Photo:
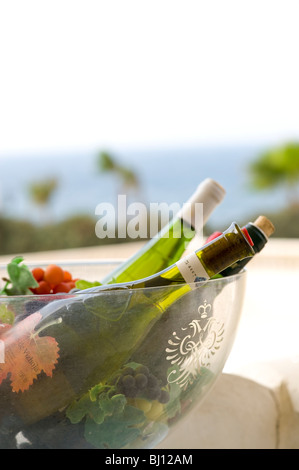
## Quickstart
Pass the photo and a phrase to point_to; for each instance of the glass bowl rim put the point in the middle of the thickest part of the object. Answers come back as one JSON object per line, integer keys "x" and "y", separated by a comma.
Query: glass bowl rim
{"x": 107, "y": 261}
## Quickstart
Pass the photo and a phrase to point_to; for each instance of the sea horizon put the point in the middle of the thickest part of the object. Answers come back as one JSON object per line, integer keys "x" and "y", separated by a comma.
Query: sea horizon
{"x": 164, "y": 175}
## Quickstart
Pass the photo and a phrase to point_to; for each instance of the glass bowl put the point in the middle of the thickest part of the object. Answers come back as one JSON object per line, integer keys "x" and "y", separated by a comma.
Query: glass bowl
{"x": 110, "y": 370}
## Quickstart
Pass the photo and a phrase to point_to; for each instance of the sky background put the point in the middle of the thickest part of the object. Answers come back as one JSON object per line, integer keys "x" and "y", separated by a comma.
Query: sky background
{"x": 132, "y": 73}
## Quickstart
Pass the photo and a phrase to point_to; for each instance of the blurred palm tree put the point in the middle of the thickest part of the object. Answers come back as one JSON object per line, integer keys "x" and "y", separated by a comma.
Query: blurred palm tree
{"x": 127, "y": 177}
{"x": 41, "y": 193}
{"x": 128, "y": 182}
{"x": 278, "y": 167}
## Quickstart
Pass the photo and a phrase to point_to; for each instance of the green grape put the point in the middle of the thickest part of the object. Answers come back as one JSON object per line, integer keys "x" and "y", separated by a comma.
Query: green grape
{"x": 155, "y": 412}
{"x": 142, "y": 404}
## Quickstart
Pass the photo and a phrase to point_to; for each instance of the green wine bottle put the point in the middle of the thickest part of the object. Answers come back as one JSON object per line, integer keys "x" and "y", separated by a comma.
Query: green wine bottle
{"x": 259, "y": 231}
{"x": 152, "y": 350}
{"x": 58, "y": 353}
{"x": 170, "y": 243}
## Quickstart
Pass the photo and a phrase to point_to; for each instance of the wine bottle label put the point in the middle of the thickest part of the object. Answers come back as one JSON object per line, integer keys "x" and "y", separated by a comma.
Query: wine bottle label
{"x": 191, "y": 269}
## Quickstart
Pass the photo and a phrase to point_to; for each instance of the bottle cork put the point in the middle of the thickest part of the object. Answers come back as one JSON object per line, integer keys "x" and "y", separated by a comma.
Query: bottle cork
{"x": 264, "y": 224}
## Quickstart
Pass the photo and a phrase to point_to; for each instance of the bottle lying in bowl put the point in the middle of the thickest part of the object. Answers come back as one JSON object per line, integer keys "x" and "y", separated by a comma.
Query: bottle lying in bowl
{"x": 58, "y": 353}
{"x": 181, "y": 317}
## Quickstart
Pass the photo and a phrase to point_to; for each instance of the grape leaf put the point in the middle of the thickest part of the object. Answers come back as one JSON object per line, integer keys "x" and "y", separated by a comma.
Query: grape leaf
{"x": 97, "y": 404}
{"x": 79, "y": 409}
{"x": 109, "y": 420}
{"x": 117, "y": 430}
{"x": 26, "y": 353}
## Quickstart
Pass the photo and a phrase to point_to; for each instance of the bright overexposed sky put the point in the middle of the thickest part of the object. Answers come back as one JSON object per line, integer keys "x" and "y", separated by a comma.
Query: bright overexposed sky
{"x": 90, "y": 73}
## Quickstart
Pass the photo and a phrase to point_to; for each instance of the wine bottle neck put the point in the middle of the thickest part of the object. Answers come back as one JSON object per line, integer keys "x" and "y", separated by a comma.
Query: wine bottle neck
{"x": 215, "y": 256}
{"x": 202, "y": 203}
{"x": 258, "y": 237}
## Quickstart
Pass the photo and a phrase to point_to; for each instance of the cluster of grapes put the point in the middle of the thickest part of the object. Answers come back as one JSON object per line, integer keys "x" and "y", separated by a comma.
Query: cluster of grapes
{"x": 140, "y": 382}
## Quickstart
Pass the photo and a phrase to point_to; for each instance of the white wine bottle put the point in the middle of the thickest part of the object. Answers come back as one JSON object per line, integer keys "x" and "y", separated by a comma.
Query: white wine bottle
{"x": 259, "y": 231}
{"x": 70, "y": 345}
{"x": 152, "y": 349}
{"x": 170, "y": 243}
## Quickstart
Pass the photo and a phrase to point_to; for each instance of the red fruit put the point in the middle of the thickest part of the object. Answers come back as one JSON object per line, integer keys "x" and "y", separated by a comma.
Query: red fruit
{"x": 54, "y": 274}
{"x": 67, "y": 276}
{"x": 43, "y": 288}
{"x": 62, "y": 287}
{"x": 71, "y": 285}
{"x": 38, "y": 274}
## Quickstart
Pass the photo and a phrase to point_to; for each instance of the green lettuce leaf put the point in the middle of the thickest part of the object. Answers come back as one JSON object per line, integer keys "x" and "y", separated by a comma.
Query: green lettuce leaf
{"x": 20, "y": 279}
{"x": 83, "y": 284}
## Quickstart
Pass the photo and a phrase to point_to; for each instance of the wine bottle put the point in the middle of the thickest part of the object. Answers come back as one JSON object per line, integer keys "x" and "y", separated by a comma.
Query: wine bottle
{"x": 152, "y": 350}
{"x": 170, "y": 243}
{"x": 57, "y": 354}
{"x": 259, "y": 231}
